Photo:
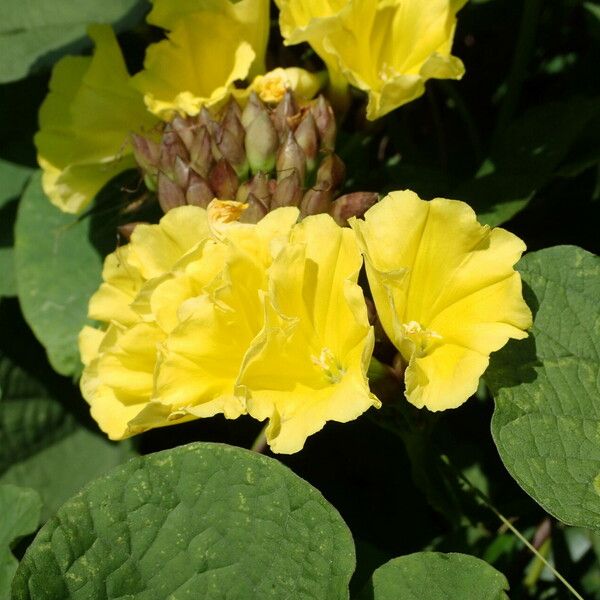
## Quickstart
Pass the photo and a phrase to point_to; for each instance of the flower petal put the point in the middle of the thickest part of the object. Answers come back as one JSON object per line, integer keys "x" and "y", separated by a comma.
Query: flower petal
{"x": 308, "y": 365}
{"x": 188, "y": 70}
{"x": 85, "y": 122}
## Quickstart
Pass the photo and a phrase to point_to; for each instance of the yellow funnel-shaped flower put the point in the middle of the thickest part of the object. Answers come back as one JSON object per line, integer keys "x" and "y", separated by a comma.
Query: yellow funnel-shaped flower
{"x": 387, "y": 48}
{"x": 211, "y": 44}
{"x": 181, "y": 304}
{"x": 308, "y": 365}
{"x": 445, "y": 290}
{"x": 85, "y": 121}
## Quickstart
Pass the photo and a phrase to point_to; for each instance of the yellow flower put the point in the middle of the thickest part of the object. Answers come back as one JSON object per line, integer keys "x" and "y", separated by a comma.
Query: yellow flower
{"x": 210, "y": 45}
{"x": 387, "y": 48}
{"x": 308, "y": 364}
{"x": 445, "y": 290}
{"x": 181, "y": 304}
{"x": 85, "y": 121}
{"x": 311, "y": 21}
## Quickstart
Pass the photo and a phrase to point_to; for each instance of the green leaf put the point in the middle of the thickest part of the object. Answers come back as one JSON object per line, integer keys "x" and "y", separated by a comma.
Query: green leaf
{"x": 42, "y": 445}
{"x": 35, "y": 33}
{"x": 546, "y": 424}
{"x": 12, "y": 181}
{"x": 436, "y": 576}
{"x": 200, "y": 521}
{"x": 58, "y": 268}
{"x": 525, "y": 158}
{"x": 20, "y": 509}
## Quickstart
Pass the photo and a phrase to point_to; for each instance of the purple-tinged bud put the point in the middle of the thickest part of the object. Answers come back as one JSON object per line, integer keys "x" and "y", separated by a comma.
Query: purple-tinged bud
{"x": 355, "y": 204}
{"x": 325, "y": 121}
{"x": 171, "y": 146}
{"x": 253, "y": 108}
{"x": 223, "y": 180}
{"x": 201, "y": 157}
{"x": 169, "y": 195}
{"x": 231, "y": 147}
{"x": 290, "y": 158}
{"x": 283, "y": 114}
{"x": 232, "y": 108}
{"x": 198, "y": 192}
{"x": 255, "y": 212}
{"x": 315, "y": 202}
{"x": 260, "y": 186}
{"x": 231, "y": 121}
{"x": 307, "y": 136}
{"x": 261, "y": 143}
{"x": 331, "y": 173}
{"x": 288, "y": 192}
{"x": 184, "y": 127}
{"x": 181, "y": 172}
{"x": 146, "y": 153}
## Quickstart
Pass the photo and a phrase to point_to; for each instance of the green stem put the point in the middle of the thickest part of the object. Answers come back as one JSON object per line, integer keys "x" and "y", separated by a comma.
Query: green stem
{"x": 518, "y": 69}
{"x": 487, "y": 502}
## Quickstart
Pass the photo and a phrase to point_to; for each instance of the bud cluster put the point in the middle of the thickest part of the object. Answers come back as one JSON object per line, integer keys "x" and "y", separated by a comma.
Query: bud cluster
{"x": 264, "y": 156}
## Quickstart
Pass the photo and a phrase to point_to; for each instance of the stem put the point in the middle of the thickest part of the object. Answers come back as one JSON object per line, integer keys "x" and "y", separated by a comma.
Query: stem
{"x": 487, "y": 502}
{"x": 518, "y": 69}
{"x": 260, "y": 443}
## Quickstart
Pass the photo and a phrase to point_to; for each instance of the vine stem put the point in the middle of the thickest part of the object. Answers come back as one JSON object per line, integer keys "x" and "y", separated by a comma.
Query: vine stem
{"x": 487, "y": 502}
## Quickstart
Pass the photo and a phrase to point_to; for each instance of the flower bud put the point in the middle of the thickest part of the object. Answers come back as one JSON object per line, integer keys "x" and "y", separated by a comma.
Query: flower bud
{"x": 231, "y": 148}
{"x": 284, "y": 113}
{"x": 261, "y": 143}
{"x": 199, "y": 193}
{"x": 307, "y": 136}
{"x": 255, "y": 212}
{"x": 231, "y": 120}
{"x": 331, "y": 173}
{"x": 184, "y": 127}
{"x": 146, "y": 153}
{"x": 223, "y": 180}
{"x": 252, "y": 109}
{"x": 169, "y": 194}
{"x": 352, "y": 205}
{"x": 200, "y": 152}
{"x": 290, "y": 158}
{"x": 288, "y": 191}
{"x": 171, "y": 146}
{"x": 260, "y": 186}
{"x": 325, "y": 121}
{"x": 316, "y": 201}
{"x": 181, "y": 172}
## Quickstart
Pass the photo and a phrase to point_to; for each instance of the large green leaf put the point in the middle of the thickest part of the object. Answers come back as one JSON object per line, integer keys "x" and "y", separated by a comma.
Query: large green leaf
{"x": 201, "y": 521}
{"x": 525, "y": 158}
{"x": 20, "y": 509}
{"x": 547, "y": 388}
{"x": 42, "y": 445}
{"x": 58, "y": 268}
{"x": 436, "y": 576}
{"x": 34, "y": 33}
{"x": 12, "y": 181}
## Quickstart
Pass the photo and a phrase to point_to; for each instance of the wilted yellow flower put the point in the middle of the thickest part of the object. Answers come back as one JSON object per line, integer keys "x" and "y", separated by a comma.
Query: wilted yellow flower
{"x": 388, "y": 48}
{"x": 309, "y": 363}
{"x": 210, "y": 45}
{"x": 445, "y": 290}
{"x": 271, "y": 86}
{"x": 85, "y": 121}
